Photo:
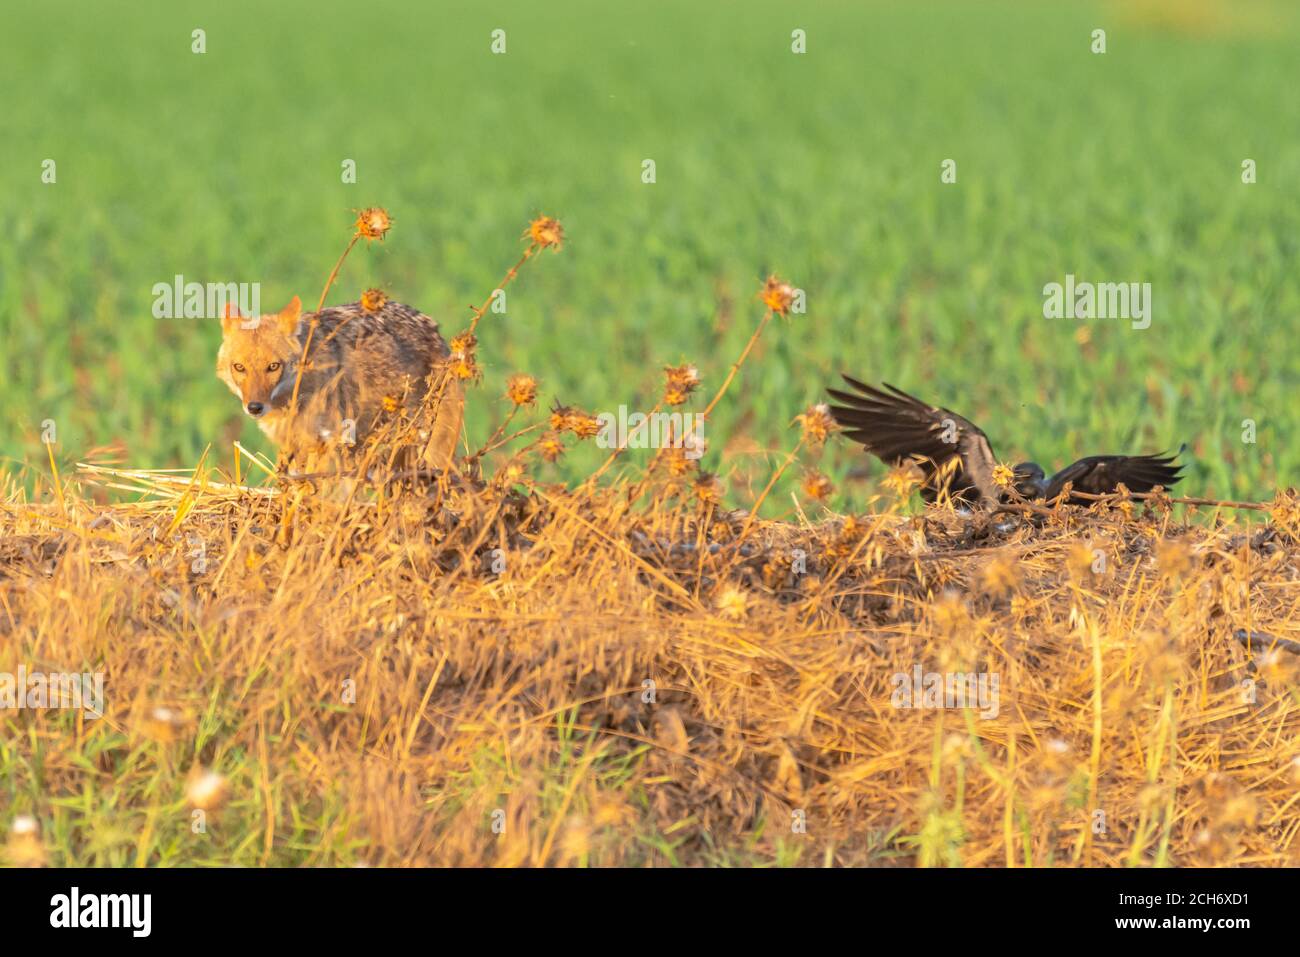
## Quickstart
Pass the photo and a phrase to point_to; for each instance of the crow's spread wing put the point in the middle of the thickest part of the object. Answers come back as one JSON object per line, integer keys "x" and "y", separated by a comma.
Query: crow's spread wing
{"x": 1102, "y": 474}
{"x": 898, "y": 428}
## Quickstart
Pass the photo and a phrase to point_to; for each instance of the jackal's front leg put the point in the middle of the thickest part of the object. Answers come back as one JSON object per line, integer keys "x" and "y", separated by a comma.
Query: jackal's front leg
{"x": 444, "y": 435}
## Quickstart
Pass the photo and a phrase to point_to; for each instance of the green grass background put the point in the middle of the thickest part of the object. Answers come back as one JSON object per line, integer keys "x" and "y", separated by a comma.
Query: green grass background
{"x": 823, "y": 167}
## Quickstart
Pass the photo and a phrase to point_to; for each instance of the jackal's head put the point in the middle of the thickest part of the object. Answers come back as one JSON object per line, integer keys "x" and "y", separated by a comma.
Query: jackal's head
{"x": 258, "y": 357}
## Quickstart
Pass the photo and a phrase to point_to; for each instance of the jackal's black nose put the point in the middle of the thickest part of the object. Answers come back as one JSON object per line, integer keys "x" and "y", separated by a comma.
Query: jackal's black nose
{"x": 256, "y": 408}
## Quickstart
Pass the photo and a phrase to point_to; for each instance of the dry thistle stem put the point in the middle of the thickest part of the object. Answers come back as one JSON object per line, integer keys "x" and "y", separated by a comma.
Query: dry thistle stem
{"x": 542, "y": 233}
{"x": 772, "y": 293}
{"x": 372, "y": 223}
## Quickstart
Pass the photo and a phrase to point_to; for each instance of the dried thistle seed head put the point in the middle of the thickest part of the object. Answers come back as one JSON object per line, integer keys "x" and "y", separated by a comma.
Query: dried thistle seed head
{"x": 463, "y": 367}
{"x": 680, "y": 382}
{"x": 1001, "y": 575}
{"x": 583, "y": 424}
{"x": 1158, "y": 500}
{"x": 1004, "y": 476}
{"x": 1174, "y": 558}
{"x": 544, "y": 232}
{"x": 205, "y": 789}
{"x": 777, "y": 295}
{"x": 686, "y": 376}
{"x": 549, "y": 447}
{"x": 1084, "y": 563}
{"x": 816, "y": 486}
{"x": 1226, "y": 802}
{"x": 461, "y": 362}
{"x": 372, "y": 300}
{"x": 775, "y": 572}
{"x": 521, "y": 389}
{"x": 566, "y": 418}
{"x": 413, "y": 512}
{"x": 513, "y": 472}
{"x": 162, "y": 724}
{"x": 559, "y": 416}
{"x": 24, "y": 847}
{"x": 721, "y": 532}
{"x": 1125, "y": 505}
{"x": 1285, "y": 511}
{"x": 575, "y": 840}
{"x": 1162, "y": 660}
{"x": 902, "y": 480}
{"x": 373, "y": 222}
{"x": 677, "y": 461}
{"x": 950, "y": 617}
{"x": 851, "y": 533}
{"x": 707, "y": 488}
{"x": 731, "y": 603}
{"x": 817, "y": 423}
{"x": 610, "y": 810}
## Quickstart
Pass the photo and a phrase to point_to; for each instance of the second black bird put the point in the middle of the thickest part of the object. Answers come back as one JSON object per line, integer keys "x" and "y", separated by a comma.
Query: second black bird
{"x": 899, "y": 429}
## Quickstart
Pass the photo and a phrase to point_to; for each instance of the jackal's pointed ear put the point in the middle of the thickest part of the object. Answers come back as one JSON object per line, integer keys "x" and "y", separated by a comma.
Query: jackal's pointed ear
{"x": 289, "y": 316}
{"x": 230, "y": 320}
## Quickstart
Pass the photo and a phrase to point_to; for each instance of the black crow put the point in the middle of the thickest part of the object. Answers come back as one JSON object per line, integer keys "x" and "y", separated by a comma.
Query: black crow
{"x": 954, "y": 453}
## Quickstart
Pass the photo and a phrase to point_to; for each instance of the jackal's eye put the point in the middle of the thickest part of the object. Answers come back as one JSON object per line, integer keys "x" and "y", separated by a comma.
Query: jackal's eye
{"x": 272, "y": 367}
{"x": 237, "y": 367}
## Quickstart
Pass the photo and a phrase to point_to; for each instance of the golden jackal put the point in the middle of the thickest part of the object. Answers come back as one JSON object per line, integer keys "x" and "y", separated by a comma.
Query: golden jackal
{"x": 361, "y": 364}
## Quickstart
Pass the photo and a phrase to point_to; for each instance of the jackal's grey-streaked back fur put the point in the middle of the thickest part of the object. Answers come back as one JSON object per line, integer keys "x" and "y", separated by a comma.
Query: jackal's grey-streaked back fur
{"x": 358, "y": 362}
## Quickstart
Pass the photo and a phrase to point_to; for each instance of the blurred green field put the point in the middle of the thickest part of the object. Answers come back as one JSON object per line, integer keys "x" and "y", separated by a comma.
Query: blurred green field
{"x": 823, "y": 167}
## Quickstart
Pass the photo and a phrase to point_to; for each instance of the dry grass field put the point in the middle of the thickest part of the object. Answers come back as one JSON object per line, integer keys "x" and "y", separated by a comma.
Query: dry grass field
{"x": 494, "y": 670}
